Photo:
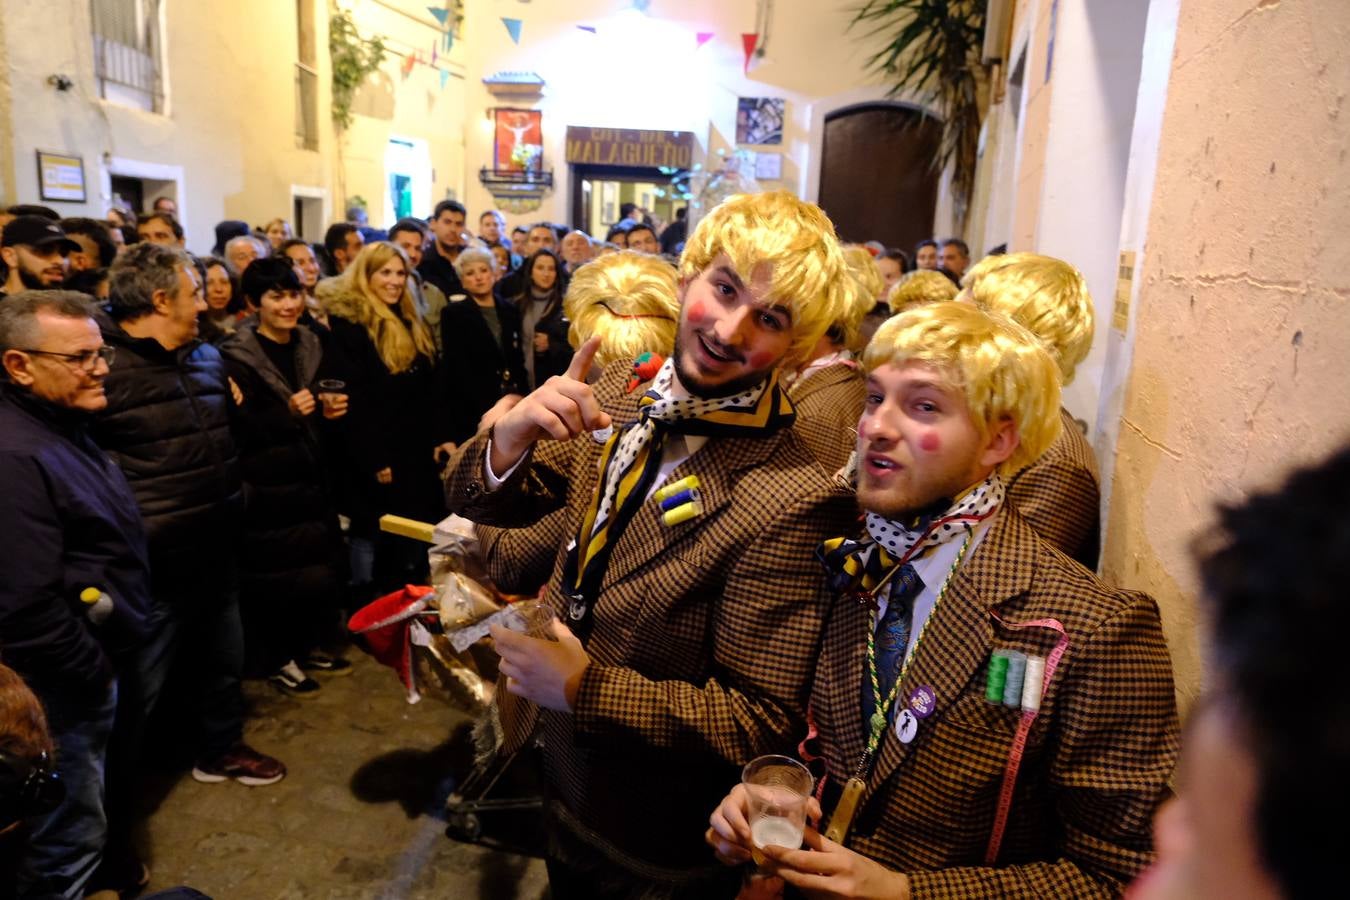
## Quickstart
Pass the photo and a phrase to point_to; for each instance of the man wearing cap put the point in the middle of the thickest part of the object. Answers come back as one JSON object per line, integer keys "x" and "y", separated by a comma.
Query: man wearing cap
{"x": 694, "y": 504}
{"x": 36, "y": 253}
{"x": 990, "y": 719}
{"x": 73, "y": 534}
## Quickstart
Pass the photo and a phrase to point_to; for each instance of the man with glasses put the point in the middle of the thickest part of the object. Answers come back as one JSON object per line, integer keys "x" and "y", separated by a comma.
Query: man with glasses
{"x": 36, "y": 253}
{"x": 74, "y": 535}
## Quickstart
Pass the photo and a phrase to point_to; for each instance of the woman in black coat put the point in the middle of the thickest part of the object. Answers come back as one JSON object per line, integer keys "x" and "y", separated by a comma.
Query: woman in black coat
{"x": 394, "y": 431}
{"x": 543, "y": 325}
{"x": 291, "y": 566}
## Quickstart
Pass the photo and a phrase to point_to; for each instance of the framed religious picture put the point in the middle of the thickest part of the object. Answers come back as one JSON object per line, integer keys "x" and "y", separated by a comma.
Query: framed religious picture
{"x": 519, "y": 144}
{"x": 60, "y": 176}
{"x": 759, "y": 120}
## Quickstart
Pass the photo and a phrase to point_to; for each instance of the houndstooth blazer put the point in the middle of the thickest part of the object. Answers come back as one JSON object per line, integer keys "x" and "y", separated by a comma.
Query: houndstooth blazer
{"x": 829, "y": 403}
{"x": 705, "y": 634}
{"x": 1059, "y": 495}
{"x": 1097, "y": 760}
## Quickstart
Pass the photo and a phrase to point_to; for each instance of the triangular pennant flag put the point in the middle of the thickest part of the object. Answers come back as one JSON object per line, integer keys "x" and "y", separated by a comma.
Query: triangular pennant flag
{"x": 440, "y": 14}
{"x": 749, "y": 41}
{"x": 513, "y": 29}
{"x": 703, "y": 38}
{"x": 408, "y": 62}
{"x": 434, "y": 55}
{"x": 445, "y": 76}
{"x": 641, "y": 5}
{"x": 590, "y": 28}
{"x": 449, "y": 40}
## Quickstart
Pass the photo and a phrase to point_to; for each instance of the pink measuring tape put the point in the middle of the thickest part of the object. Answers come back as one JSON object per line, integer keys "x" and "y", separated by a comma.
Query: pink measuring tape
{"x": 1019, "y": 743}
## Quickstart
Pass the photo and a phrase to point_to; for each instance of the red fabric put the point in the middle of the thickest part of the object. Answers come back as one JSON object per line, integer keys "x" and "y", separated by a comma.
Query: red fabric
{"x": 386, "y": 625}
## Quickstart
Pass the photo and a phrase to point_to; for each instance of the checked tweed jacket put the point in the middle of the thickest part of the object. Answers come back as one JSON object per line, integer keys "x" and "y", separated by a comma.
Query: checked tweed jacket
{"x": 1097, "y": 760}
{"x": 1059, "y": 495}
{"x": 705, "y": 634}
{"x": 829, "y": 403}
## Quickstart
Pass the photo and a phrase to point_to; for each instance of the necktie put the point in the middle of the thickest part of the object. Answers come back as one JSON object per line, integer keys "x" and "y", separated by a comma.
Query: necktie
{"x": 891, "y": 638}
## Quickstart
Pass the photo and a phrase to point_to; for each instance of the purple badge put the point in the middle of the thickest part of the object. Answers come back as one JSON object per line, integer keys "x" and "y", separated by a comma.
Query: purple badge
{"x": 923, "y": 701}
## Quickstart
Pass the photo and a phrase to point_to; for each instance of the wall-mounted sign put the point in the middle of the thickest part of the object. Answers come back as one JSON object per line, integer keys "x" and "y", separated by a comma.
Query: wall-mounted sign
{"x": 60, "y": 176}
{"x": 629, "y": 147}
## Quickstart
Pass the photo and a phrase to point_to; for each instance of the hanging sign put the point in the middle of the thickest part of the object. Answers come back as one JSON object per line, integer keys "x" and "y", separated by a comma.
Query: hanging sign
{"x": 630, "y": 147}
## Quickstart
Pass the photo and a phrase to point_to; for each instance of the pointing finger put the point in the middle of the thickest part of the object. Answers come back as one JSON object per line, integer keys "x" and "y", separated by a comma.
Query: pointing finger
{"x": 582, "y": 359}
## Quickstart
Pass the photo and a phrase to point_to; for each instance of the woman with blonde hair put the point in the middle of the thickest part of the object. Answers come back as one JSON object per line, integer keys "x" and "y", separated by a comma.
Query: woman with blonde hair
{"x": 393, "y": 431}
{"x": 278, "y": 232}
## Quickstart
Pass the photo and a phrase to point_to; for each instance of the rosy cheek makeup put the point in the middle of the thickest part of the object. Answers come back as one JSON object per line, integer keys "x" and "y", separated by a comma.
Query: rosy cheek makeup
{"x": 760, "y": 358}
{"x": 930, "y": 443}
{"x": 697, "y": 313}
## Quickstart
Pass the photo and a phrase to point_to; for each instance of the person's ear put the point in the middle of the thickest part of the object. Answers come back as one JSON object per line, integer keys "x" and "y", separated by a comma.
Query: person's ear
{"x": 10, "y": 255}
{"x": 1001, "y": 443}
{"x": 162, "y": 301}
{"x": 18, "y": 366}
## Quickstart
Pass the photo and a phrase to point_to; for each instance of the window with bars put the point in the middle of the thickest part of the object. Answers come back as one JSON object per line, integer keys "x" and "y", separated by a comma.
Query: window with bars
{"x": 129, "y": 52}
{"x": 306, "y": 78}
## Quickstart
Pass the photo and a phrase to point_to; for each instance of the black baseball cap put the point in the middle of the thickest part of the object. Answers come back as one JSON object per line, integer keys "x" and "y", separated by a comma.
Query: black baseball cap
{"x": 37, "y": 231}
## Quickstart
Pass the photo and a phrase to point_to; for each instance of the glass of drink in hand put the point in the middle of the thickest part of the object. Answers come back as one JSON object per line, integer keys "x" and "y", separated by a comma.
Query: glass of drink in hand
{"x": 776, "y": 790}
{"x": 333, "y": 396}
{"x": 531, "y": 617}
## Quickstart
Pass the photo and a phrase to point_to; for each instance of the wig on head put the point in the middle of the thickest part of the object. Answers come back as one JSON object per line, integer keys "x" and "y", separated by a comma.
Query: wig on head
{"x": 628, "y": 298}
{"x": 864, "y": 287}
{"x": 809, "y": 275}
{"x": 397, "y": 343}
{"x": 920, "y": 287}
{"x": 1047, "y": 296}
{"x": 1002, "y": 369}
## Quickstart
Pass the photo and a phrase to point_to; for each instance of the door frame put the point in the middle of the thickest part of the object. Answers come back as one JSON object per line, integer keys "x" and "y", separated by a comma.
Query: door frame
{"x": 578, "y": 172}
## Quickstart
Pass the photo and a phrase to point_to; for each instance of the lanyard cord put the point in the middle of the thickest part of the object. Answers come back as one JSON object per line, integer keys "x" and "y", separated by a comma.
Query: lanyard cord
{"x": 878, "y": 720}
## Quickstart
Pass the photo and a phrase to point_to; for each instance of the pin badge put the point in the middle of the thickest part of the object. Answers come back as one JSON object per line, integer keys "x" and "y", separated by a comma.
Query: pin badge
{"x": 923, "y": 701}
{"x": 600, "y": 435}
{"x": 906, "y": 726}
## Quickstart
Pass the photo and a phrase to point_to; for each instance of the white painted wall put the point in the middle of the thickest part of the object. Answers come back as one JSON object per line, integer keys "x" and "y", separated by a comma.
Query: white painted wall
{"x": 1098, "y": 48}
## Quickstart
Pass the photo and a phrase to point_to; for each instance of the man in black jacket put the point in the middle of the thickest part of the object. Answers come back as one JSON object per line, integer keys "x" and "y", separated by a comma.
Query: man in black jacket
{"x": 73, "y": 533}
{"x": 167, "y": 426}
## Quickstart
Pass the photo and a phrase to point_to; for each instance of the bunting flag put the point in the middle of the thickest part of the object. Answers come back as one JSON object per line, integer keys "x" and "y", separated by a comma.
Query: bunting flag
{"x": 590, "y": 28}
{"x": 408, "y": 62}
{"x": 513, "y": 29}
{"x": 441, "y": 14}
{"x": 641, "y": 5}
{"x": 449, "y": 40}
{"x": 445, "y": 76}
{"x": 434, "y": 55}
{"x": 703, "y": 38}
{"x": 749, "y": 41}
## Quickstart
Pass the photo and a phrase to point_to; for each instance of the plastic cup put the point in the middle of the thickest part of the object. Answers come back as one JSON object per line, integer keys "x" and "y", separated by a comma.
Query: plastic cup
{"x": 776, "y": 788}
{"x": 330, "y": 390}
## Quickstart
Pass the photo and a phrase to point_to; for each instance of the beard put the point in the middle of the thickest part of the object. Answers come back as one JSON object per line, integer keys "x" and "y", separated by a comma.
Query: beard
{"x": 35, "y": 282}
{"x": 691, "y": 382}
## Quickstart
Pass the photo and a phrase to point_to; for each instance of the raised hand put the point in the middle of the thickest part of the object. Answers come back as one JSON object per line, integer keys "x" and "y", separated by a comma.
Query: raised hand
{"x": 559, "y": 409}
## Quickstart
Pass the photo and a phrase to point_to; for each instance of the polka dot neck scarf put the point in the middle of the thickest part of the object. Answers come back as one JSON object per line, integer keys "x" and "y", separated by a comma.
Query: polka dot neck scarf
{"x": 864, "y": 564}
{"x": 632, "y": 457}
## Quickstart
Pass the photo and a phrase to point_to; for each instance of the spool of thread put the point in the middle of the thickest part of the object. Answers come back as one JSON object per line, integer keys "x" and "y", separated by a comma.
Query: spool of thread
{"x": 998, "y": 677}
{"x": 681, "y": 513}
{"x": 1012, "y": 689}
{"x": 689, "y": 495}
{"x": 1031, "y": 683}
{"x": 670, "y": 490}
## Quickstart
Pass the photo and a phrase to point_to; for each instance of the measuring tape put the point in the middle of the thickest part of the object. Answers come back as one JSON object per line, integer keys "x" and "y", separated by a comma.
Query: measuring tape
{"x": 1019, "y": 743}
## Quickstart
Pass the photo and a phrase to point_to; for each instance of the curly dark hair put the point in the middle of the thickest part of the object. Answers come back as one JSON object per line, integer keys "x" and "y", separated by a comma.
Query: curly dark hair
{"x": 1272, "y": 575}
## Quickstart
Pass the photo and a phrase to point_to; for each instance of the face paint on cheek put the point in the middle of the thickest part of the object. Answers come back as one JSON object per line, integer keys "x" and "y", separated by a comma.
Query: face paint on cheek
{"x": 697, "y": 313}
{"x": 760, "y": 359}
{"x": 930, "y": 442}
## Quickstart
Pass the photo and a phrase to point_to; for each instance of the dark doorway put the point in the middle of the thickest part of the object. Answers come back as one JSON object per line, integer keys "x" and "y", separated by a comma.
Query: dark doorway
{"x": 129, "y": 192}
{"x": 877, "y": 181}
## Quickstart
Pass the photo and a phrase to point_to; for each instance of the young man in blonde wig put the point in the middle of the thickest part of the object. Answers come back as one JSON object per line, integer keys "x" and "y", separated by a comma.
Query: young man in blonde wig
{"x": 685, "y": 640}
{"x": 828, "y": 390}
{"x": 1058, "y": 493}
{"x": 991, "y": 720}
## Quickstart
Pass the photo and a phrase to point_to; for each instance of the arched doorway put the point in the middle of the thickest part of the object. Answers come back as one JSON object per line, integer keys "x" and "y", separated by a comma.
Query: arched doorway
{"x": 877, "y": 180}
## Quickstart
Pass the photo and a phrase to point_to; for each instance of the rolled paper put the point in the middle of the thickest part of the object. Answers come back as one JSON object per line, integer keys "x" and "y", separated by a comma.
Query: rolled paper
{"x": 681, "y": 513}
{"x": 689, "y": 495}
{"x": 1031, "y": 683}
{"x": 998, "y": 677}
{"x": 1012, "y": 690}
{"x": 670, "y": 490}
